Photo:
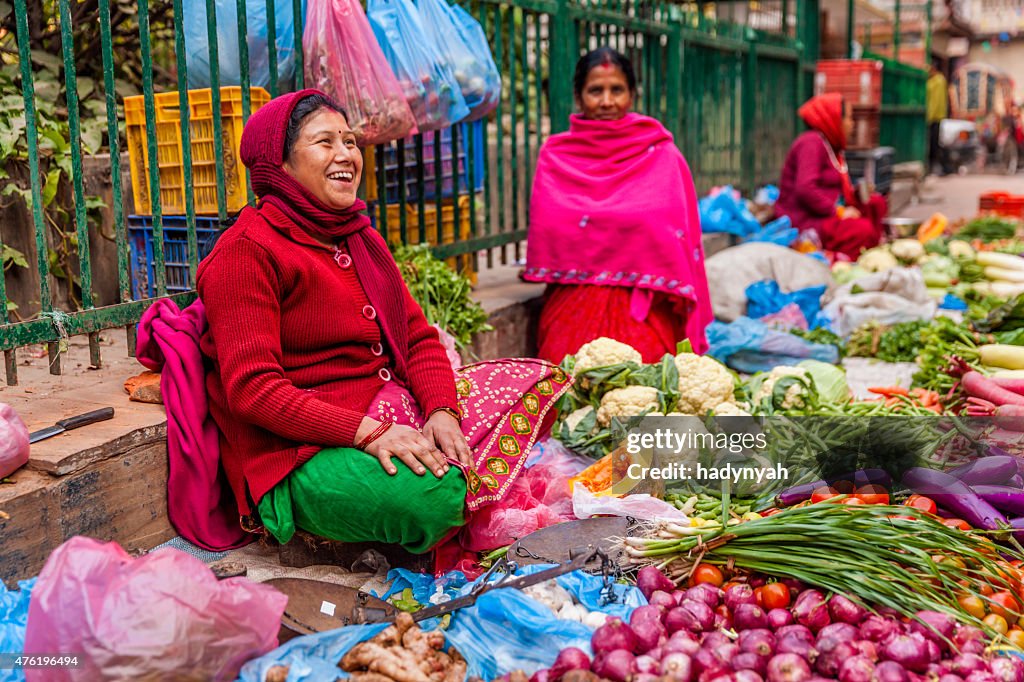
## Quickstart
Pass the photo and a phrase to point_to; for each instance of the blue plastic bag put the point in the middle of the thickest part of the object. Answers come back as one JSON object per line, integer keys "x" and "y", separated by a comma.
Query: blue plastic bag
{"x": 470, "y": 63}
{"x": 951, "y": 302}
{"x": 751, "y": 346}
{"x": 424, "y": 75}
{"x": 313, "y": 657}
{"x": 423, "y": 585}
{"x": 13, "y": 617}
{"x": 765, "y": 297}
{"x": 779, "y": 232}
{"x": 505, "y": 630}
{"x": 482, "y": 98}
{"x": 197, "y": 50}
{"x": 724, "y": 213}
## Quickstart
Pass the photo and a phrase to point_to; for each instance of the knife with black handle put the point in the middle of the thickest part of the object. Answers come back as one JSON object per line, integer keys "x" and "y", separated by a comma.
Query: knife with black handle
{"x": 72, "y": 423}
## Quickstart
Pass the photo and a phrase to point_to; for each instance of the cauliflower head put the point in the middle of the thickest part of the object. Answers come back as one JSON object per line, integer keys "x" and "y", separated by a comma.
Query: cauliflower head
{"x": 629, "y": 401}
{"x": 877, "y": 260}
{"x": 603, "y": 352}
{"x": 577, "y": 416}
{"x": 704, "y": 383}
{"x": 958, "y": 248}
{"x": 794, "y": 397}
{"x": 730, "y": 410}
{"x": 909, "y": 250}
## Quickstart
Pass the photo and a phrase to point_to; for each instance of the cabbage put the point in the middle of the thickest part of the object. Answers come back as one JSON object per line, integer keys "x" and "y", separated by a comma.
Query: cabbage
{"x": 829, "y": 381}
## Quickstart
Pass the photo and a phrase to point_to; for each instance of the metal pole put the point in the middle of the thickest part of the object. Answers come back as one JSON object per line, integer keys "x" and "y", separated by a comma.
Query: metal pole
{"x": 850, "y": 10}
{"x": 896, "y": 33}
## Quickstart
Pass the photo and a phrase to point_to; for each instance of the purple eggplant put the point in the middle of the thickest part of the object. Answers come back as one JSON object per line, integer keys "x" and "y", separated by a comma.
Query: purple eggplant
{"x": 1002, "y": 497}
{"x": 991, "y": 470}
{"x": 953, "y": 494}
{"x": 799, "y": 493}
{"x": 1015, "y": 481}
{"x": 1018, "y": 526}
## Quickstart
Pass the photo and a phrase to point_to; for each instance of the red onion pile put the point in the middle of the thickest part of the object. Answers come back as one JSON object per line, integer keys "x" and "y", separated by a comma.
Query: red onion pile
{"x": 703, "y": 634}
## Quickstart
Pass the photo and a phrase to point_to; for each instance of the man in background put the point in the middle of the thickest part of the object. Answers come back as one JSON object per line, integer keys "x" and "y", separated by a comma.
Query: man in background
{"x": 937, "y": 105}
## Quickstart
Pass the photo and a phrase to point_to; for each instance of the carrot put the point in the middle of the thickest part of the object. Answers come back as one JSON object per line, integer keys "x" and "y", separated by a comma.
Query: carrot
{"x": 892, "y": 401}
{"x": 889, "y": 391}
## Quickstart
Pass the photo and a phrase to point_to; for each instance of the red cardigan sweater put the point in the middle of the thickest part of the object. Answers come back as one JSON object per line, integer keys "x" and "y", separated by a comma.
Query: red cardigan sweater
{"x": 296, "y": 350}
{"x": 810, "y": 186}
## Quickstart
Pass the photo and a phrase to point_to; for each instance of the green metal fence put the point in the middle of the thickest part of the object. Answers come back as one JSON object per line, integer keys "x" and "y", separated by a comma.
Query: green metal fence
{"x": 902, "y": 125}
{"x": 726, "y": 85}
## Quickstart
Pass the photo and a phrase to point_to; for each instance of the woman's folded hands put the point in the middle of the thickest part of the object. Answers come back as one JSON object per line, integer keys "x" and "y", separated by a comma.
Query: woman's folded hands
{"x": 441, "y": 437}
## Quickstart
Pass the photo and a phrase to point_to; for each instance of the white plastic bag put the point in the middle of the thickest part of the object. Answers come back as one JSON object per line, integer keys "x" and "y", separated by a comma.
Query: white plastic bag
{"x": 641, "y": 507}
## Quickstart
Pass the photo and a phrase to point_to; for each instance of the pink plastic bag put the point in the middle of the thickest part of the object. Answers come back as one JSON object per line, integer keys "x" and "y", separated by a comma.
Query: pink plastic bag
{"x": 343, "y": 59}
{"x": 539, "y": 498}
{"x": 159, "y": 617}
{"x": 788, "y": 317}
{"x": 13, "y": 441}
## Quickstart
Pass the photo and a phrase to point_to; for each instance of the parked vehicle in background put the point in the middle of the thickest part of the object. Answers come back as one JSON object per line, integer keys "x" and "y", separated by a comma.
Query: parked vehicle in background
{"x": 959, "y": 146}
{"x": 983, "y": 95}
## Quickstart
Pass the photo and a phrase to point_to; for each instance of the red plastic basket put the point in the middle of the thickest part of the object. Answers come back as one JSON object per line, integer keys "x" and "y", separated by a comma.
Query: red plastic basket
{"x": 1002, "y": 203}
{"x": 859, "y": 81}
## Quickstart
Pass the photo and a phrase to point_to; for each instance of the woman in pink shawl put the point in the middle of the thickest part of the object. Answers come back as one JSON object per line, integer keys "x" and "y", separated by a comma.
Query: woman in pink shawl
{"x": 614, "y": 228}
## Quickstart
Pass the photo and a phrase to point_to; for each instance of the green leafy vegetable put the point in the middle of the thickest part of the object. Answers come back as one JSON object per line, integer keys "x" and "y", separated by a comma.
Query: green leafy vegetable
{"x": 443, "y": 293}
{"x": 829, "y": 380}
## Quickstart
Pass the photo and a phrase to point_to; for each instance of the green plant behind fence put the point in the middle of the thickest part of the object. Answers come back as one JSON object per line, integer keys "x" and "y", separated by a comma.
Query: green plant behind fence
{"x": 726, "y": 85}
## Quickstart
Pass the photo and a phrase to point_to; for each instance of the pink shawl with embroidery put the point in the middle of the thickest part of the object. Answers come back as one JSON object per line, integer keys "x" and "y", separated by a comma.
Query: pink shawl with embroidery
{"x": 614, "y": 204}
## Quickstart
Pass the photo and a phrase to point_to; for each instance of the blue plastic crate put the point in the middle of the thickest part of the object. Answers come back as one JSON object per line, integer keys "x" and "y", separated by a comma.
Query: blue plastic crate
{"x": 413, "y": 188}
{"x": 175, "y": 233}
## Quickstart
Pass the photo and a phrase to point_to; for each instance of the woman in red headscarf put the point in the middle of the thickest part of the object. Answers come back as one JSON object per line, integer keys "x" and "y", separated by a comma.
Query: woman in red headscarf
{"x": 815, "y": 189}
{"x": 339, "y": 411}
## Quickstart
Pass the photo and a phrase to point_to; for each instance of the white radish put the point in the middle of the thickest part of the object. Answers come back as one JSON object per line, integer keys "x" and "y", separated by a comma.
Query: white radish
{"x": 1000, "y": 260}
{"x": 1002, "y": 355}
{"x": 999, "y": 274}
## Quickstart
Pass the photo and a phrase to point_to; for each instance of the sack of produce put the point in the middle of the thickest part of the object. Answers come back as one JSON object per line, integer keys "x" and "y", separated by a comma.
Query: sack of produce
{"x": 342, "y": 58}
{"x": 197, "y": 46}
{"x": 13, "y": 441}
{"x": 149, "y": 618}
{"x": 467, "y": 51}
{"x": 423, "y": 73}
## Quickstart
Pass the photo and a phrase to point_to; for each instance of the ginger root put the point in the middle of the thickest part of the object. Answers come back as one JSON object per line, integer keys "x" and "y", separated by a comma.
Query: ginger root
{"x": 279, "y": 673}
{"x": 404, "y": 653}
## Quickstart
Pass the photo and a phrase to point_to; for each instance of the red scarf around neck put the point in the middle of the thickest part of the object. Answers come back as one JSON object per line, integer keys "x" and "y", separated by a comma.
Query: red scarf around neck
{"x": 263, "y": 153}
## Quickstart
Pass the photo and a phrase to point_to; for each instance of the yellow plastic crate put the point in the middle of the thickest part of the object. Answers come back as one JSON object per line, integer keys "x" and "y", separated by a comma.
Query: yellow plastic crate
{"x": 168, "y": 139}
{"x": 462, "y": 263}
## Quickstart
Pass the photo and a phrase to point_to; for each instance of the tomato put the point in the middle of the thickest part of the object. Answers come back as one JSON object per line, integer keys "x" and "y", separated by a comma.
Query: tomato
{"x": 1016, "y": 637}
{"x": 997, "y": 623}
{"x": 844, "y": 487}
{"x": 925, "y": 504}
{"x": 822, "y": 494}
{"x": 1005, "y": 604}
{"x": 872, "y": 494}
{"x": 853, "y": 501}
{"x": 773, "y": 596}
{"x": 706, "y": 573}
{"x": 956, "y": 523}
{"x": 973, "y": 605}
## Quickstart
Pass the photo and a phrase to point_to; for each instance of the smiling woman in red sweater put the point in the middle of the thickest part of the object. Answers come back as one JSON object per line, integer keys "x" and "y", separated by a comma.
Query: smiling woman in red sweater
{"x": 339, "y": 411}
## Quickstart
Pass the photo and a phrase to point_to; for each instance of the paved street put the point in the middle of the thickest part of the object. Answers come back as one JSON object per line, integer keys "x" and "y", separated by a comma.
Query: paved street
{"x": 956, "y": 196}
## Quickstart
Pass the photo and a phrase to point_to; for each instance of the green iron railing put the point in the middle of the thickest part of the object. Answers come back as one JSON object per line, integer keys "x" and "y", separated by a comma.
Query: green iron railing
{"x": 727, "y": 87}
{"x": 902, "y": 125}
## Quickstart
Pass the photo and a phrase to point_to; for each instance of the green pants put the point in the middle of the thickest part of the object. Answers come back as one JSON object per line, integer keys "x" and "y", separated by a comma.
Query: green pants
{"x": 344, "y": 494}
